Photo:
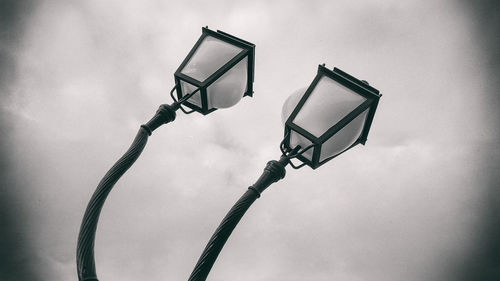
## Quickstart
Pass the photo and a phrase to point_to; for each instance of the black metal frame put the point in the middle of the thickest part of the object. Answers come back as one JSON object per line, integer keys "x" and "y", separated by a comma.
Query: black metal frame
{"x": 362, "y": 88}
{"x": 248, "y": 51}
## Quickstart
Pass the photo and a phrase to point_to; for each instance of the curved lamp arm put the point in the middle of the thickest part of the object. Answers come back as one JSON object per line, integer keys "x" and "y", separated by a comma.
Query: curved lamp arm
{"x": 85, "y": 248}
{"x": 273, "y": 172}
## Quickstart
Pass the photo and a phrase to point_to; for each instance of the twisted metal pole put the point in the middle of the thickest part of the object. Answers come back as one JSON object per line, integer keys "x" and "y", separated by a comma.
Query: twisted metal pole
{"x": 85, "y": 248}
{"x": 273, "y": 172}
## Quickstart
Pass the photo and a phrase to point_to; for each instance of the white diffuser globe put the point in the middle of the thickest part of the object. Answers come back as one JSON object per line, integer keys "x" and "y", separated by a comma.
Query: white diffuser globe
{"x": 327, "y": 104}
{"x": 210, "y": 56}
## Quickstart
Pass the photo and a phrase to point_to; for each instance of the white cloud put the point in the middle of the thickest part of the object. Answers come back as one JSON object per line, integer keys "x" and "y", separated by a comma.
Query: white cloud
{"x": 398, "y": 209}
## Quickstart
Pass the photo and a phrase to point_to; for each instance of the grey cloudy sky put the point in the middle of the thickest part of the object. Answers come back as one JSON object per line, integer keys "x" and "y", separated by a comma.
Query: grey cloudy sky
{"x": 410, "y": 205}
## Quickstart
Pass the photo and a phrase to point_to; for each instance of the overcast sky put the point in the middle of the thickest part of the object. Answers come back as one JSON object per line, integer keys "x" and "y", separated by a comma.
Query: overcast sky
{"x": 410, "y": 205}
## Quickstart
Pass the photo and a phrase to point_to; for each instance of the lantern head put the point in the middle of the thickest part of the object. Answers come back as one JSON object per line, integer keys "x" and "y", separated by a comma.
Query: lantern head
{"x": 220, "y": 67}
{"x": 329, "y": 117}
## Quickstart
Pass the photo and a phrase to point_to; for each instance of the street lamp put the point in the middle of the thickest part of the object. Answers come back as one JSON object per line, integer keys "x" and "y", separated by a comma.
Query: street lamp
{"x": 221, "y": 67}
{"x": 217, "y": 73}
{"x": 333, "y": 115}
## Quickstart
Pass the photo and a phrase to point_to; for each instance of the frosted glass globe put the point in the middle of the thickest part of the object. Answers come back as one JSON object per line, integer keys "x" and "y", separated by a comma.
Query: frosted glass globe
{"x": 290, "y": 103}
{"x": 230, "y": 87}
{"x": 328, "y": 103}
{"x": 209, "y": 57}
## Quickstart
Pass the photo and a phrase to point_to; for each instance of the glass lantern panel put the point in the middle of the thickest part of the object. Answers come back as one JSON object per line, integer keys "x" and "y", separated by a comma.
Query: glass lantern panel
{"x": 344, "y": 138}
{"x": 230, "y": 87}
{"x": 210, "y": 55}
{"x": 188, "y": 88}
{"x": 298, "y": 139}
{"x": 328, "y": 103}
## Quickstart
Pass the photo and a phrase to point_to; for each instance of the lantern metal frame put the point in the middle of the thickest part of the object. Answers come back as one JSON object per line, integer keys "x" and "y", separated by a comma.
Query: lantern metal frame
{"x": 248, "y": 50}
{"x": 360, "y": 87}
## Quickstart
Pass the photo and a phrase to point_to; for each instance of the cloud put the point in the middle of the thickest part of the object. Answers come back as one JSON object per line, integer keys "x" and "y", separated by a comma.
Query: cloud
{"x": 403, "y": 207}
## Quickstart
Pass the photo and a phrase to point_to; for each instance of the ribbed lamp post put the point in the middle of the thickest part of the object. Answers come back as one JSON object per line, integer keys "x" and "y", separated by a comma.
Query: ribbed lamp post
{"x": 217, "y": 73}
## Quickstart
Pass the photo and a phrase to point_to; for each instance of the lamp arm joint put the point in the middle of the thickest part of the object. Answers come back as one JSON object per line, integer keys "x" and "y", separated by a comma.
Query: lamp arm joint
{"x": 273, "y": 172}
{"x": 165, "y": 114}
